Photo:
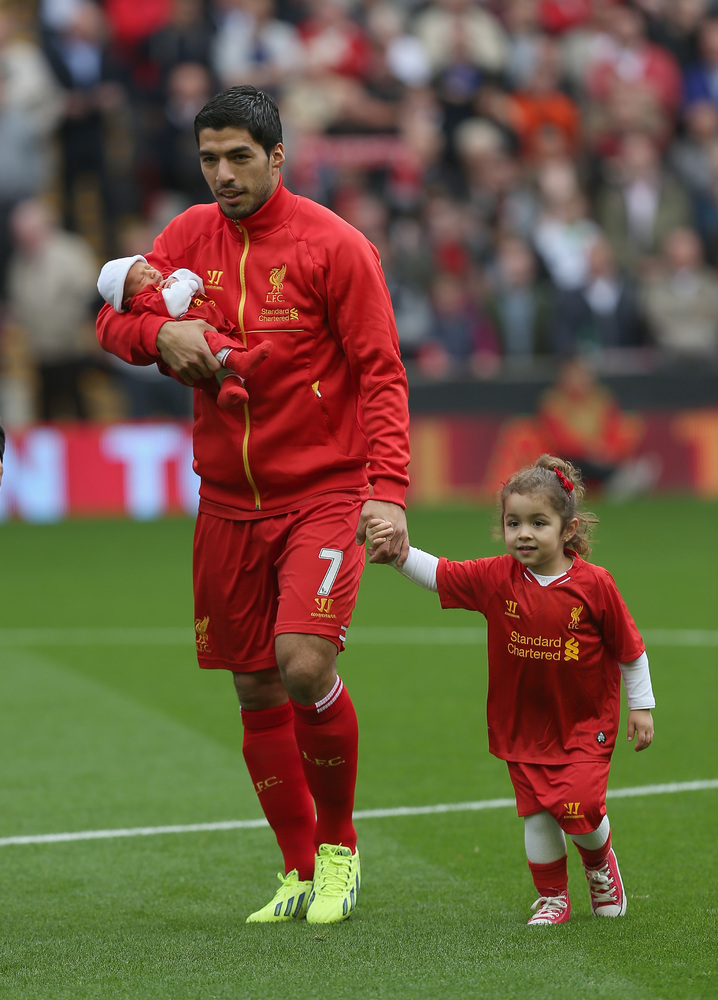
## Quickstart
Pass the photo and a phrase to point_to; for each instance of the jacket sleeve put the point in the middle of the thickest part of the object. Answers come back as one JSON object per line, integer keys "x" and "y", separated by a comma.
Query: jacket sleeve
{"x": 361, "y": 317}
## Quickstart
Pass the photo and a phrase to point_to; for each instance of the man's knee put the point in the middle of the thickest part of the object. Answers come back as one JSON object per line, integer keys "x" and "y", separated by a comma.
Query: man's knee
{"x": 307, "y": 664}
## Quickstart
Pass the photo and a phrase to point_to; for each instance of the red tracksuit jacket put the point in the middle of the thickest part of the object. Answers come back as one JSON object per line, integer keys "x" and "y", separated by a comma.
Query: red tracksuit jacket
{"x": 328, "y": 410}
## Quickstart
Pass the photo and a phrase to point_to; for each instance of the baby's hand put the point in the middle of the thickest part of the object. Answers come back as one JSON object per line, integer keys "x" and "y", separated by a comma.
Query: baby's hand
{"x": 166, "y": 282}
{"x": 378, "y": 531}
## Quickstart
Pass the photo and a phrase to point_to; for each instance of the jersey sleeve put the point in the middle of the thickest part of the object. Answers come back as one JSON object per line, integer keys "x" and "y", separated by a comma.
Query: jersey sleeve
{"x": 470, "y": 584}
{"x": 620, "y": 633}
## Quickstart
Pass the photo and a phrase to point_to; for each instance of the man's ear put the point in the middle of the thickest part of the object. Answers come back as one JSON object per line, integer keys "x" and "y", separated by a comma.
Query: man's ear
{"x": 276, "y": 157}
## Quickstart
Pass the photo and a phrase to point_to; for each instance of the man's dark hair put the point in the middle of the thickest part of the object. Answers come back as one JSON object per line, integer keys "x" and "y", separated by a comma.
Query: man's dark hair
{"x": 243, "y": 107}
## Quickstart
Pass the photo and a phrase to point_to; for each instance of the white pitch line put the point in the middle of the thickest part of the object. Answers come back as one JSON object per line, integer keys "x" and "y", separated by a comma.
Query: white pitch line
{"x": 400, "y": 811}
{"x": 360, "y": 635}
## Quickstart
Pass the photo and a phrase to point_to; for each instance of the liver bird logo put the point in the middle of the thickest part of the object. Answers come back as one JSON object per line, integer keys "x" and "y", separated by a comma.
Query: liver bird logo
{"x": 276, "y": 277}
{"x": 576, "y": 615}
{"x": 201, "y": 625}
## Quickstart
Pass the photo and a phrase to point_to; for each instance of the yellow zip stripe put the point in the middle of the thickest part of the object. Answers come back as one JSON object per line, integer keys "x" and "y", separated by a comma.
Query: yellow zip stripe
{"x": 240, "y": 324}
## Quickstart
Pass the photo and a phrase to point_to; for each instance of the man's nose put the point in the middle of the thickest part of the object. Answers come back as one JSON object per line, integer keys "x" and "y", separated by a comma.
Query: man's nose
{"x": 224, "y": 171}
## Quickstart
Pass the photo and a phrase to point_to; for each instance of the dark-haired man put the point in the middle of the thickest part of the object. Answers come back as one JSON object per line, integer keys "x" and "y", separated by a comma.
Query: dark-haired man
{"x": 288, "y": 482}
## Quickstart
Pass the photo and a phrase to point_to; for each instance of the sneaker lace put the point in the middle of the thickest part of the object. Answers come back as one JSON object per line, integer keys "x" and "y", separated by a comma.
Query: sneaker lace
{"x": 550, "y": 905}
{"x": 334, "y": 874}
{"x": 284, "y": 881}
{"x": 603, "y": 889}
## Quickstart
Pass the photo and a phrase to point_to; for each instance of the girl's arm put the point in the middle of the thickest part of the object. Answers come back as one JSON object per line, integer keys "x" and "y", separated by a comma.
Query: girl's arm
{"x": 421, "y": 568}
{"x": 639, "y": 694}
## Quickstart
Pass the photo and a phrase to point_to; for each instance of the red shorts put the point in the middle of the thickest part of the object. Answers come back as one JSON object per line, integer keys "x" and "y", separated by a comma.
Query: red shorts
{"x": 574, "y": 794}
{"x": 259, "y": 578}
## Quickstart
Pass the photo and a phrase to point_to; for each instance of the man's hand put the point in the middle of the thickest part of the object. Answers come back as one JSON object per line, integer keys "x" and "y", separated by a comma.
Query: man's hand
{"x": 183, "y": 347}
{"x": 640, "y": 725}
{"x": 398, "y": 544}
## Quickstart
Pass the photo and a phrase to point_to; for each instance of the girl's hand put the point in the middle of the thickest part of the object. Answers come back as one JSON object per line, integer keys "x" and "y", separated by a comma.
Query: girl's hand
{"x": 378, "y": 531}
{"x": 640, "y": 726}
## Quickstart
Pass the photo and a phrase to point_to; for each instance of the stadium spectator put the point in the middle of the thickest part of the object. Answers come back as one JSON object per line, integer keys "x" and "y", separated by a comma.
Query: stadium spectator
{"x": 287, "y": 520}
{"x": 638, "y": 201}
{"x": 538, "y": 111}
{"x": 29, "y": 111}
{"x": 253, "y": 45}
{"x": 187, "y": 37}
{"x": 680, "y": 300}
{"x": 52, "y": 299}
{"x": 700, "y": 81}
{"x": 580, "y": 417}
{"x": 93, "y": 93}
{"x": 539, "y": 716}
{"x": 564, "y": 231}
{"x": 676, "y": 28}
{"x": 463, "y": 340}
{"x": 630, "y": 59}
{"x": 2, "y": 449}
{"x": 519, "y": 302}
{"x": 467, "y": 49}
{"x": 169, "y": 153}
{"x": 603, "y": 315}
{"x": 693, "y": 158}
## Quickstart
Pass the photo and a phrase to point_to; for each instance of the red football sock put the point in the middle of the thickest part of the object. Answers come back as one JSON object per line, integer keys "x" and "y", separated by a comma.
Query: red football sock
{"x": 328, "y": 741}
{"x": 274, "y": 765}
{"x": 595, "y": 858}
{"x": 550, "y": 879}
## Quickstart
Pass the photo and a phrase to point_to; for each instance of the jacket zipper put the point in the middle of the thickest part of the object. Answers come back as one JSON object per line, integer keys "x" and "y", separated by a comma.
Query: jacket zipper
{"x": 240, "y": 324}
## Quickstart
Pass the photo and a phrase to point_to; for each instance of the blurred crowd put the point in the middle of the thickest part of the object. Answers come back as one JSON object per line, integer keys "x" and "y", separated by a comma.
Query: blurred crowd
{"x": 540, "y": 176}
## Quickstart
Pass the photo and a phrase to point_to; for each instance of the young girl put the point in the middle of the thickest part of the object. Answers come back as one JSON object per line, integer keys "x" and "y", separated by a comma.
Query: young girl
{"x": 559, "y": 639}
{"x": 131, "y": 283}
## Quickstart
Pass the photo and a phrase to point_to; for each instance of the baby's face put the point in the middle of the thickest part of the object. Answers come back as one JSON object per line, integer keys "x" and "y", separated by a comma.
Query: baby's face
{"x": 139, "y": 276}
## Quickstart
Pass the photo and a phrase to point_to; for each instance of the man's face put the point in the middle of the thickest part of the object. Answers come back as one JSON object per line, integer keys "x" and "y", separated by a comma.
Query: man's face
{"x": 240, "y": 174}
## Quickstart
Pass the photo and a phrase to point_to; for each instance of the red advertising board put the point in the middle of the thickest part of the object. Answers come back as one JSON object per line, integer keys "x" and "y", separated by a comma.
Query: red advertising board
{"x": 144, "y": 469}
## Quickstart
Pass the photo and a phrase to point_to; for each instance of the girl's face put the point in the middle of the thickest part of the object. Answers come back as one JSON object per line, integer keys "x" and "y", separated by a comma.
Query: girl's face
{"x": 535, "y": 535}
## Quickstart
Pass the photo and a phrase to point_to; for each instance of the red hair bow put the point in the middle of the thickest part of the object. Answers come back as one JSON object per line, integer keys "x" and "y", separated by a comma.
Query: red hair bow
{"x": 565, "y": 483}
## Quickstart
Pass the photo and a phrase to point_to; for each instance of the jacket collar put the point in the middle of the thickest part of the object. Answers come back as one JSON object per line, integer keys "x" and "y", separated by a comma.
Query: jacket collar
{"x": 272, "y": 215}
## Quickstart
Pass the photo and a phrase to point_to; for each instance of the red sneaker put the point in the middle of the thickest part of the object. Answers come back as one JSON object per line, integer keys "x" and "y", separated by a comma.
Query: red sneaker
{"x": 608, "y": 898}
{"x": 551, "y": 910}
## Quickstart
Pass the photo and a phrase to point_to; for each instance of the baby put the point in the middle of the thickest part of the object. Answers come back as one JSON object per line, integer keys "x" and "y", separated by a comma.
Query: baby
{"x": 131, "y": 283}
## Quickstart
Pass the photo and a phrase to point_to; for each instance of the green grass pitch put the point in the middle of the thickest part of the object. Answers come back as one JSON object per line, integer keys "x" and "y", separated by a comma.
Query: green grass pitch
{"x": 108, "y": 725}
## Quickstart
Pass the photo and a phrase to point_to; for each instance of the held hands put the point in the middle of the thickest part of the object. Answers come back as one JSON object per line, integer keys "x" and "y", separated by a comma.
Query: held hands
{"x": 383, "y": 526}
{"x": 640, "y": 726}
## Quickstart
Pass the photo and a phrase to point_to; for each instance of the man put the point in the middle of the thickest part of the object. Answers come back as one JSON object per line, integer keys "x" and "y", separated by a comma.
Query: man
{"x": 288, "y": 482}
{"x": 2, "y": 449}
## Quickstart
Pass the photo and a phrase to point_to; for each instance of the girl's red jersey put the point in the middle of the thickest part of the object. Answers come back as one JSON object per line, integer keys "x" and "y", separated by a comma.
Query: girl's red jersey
{"x": 553, "y": 652}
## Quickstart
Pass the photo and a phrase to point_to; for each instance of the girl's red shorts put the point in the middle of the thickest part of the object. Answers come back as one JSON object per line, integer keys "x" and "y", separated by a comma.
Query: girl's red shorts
{"x": 574, "y": 793}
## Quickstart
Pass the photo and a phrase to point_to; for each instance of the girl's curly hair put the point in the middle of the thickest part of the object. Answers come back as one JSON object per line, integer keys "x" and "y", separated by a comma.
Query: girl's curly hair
{"x": 562, "y": 484}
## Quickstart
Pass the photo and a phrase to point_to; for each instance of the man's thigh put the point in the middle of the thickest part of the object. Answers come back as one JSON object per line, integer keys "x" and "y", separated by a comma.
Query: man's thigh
{"x": 256, "y": 579}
